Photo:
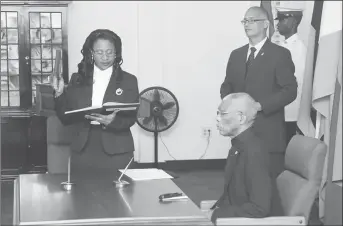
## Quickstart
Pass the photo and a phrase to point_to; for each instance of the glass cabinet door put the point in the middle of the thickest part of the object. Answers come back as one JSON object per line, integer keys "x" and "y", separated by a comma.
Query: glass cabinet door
{"x": 45, "y": 38}
{"x": 10, "y": 90}
{"x": 30, "y": 37}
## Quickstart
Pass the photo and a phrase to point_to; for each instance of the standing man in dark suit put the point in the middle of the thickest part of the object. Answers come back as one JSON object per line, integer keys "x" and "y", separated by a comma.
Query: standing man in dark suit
{"x": 248, "y": 186}
{"x": 266, "y": 72}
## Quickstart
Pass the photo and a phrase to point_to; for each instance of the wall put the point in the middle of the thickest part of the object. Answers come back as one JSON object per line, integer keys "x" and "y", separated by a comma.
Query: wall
{"x": 86, "y": 16}
{"x": 182, "y": 46}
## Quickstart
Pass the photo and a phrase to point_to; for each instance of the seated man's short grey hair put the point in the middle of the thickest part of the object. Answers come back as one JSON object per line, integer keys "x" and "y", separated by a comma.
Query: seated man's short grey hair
{"x": 244, "y": 103}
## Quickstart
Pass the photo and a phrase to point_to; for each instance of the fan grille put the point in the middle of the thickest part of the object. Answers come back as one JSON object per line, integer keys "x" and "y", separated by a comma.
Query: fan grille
{"x": 161, "y": 109}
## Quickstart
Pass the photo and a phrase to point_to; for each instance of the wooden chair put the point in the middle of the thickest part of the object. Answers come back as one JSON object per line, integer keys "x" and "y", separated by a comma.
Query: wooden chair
{"x": 298, "y": 184}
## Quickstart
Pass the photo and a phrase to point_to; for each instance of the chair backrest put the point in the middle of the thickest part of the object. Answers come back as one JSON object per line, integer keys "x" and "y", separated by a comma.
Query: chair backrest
{"x": 59, "y": 138}
{"x": 59, "y": 134}
{"x": 299, "y": 183}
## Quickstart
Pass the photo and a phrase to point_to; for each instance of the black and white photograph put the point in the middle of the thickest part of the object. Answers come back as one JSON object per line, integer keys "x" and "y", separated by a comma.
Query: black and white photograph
{"x": 171, "y": 113}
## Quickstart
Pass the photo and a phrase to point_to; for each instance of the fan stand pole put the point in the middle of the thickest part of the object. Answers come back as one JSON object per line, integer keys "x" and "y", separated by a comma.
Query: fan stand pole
{"x": 156, "y": 150}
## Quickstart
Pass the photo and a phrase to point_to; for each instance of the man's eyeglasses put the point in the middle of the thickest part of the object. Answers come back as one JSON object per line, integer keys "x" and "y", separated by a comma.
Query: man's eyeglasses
{"x": 222, "y": 113}
{"x": 251, "y": 21}
{"x": 109, "y": 53}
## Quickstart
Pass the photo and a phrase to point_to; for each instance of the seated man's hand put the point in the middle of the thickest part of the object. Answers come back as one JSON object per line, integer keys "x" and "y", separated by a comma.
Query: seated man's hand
{"x": 102, "y": 119}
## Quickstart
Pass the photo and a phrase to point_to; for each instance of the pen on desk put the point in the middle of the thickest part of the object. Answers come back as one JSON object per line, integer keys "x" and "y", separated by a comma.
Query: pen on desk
{"x": 125, "y": 169}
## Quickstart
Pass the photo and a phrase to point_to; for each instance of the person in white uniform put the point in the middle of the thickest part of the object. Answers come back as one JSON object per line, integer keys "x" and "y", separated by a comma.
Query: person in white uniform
{"x": 288, "y": 21}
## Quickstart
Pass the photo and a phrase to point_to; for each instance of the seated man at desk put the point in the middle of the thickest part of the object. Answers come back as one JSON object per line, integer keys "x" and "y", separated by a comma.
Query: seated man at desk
{"x": 248, "y": 186}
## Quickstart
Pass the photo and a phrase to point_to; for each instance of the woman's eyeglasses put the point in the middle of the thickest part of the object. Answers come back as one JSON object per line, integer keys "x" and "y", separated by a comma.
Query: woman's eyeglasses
{"x": 108, "y": 53}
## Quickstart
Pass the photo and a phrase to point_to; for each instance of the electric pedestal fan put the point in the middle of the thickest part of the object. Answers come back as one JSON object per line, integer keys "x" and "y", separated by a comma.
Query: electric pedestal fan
{"x": 158, "y": 111}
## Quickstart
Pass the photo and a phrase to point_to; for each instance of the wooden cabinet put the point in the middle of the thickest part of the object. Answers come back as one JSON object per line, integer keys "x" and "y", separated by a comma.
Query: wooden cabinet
{"x": 14, "y": 142}
{"x": 31, "y": 34}
{"x": 23, "y": 144}
{"x": 37, "y": 143}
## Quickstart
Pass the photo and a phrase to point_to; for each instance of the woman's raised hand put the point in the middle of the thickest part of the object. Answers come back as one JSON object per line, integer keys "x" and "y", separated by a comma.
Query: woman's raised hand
{"x": 58, "y": 85}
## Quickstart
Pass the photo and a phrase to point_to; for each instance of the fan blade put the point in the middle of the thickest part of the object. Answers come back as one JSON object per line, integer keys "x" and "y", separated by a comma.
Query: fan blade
{"x": 144, "y": 108}
{"x": 147, "y": 120}
{"x": 156, "y": 95}
{"x": 168, "y": 105}
{"x": 163, "y": 120}
{"x": 143, "y": 99}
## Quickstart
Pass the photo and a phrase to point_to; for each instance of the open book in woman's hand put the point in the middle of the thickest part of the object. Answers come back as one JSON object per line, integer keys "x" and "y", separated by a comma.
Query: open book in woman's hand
{"x": 106, "y": 108}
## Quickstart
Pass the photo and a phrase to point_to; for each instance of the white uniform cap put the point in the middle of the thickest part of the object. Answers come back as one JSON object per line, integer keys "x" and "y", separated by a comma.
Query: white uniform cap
{"x": 290, "y": 9}
{"x": 285, "y": 6}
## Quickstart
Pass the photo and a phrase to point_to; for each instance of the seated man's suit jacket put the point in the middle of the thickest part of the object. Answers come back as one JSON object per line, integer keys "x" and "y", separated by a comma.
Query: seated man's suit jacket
{"x": 116, "y": 137}
{"x": 270, "y": 81}
{"x": 248, "y": 185}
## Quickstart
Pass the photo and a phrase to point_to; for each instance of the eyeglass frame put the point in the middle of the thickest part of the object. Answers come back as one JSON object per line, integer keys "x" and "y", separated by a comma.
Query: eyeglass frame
{"x": 102, "y": 53}
{"x": 251, "y": 21}
{"x": 219, "y": 113}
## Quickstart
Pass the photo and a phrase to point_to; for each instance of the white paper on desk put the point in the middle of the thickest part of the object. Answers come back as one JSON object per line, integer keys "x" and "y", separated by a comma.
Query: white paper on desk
{"x": 146, "y": 174}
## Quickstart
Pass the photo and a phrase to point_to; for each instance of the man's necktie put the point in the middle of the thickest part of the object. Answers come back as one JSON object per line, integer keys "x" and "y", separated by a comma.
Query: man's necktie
{"x": 250, "y": 59}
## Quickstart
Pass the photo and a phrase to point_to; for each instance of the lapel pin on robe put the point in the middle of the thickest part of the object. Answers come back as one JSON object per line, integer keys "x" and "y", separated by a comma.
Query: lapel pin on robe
{"x": 236, "y": 153}
{"x": 119, "y": 91}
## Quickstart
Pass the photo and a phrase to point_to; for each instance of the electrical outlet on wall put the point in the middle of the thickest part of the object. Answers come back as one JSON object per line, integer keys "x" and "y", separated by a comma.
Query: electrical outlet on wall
{"x": 206, "y": 132}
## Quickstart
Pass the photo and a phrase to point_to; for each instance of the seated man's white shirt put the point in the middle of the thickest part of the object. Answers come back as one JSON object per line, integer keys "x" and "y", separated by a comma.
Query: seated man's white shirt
{"x": 100, "y": 83}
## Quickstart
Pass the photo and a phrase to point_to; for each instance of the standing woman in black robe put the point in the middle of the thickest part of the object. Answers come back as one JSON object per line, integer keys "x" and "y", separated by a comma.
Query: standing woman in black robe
{"x": 102, "y": 143}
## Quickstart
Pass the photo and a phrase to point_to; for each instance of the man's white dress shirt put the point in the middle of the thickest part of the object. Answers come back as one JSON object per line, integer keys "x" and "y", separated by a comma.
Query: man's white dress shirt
{"x": 258, "y": 47}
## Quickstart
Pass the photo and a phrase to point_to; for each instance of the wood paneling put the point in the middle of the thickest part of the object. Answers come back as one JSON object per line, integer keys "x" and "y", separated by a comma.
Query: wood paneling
{"x": 23, "y": 143}
{"x": 14, "y": 142}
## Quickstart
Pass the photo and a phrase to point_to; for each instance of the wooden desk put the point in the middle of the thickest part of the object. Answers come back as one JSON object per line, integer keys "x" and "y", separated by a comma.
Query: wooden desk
{"x": 39, "y": 200}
